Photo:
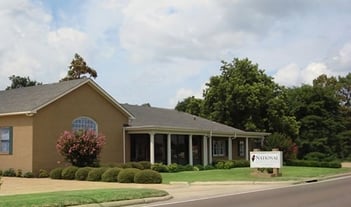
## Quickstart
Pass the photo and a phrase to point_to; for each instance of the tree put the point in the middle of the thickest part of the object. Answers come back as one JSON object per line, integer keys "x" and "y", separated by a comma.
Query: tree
{"x": 78, "y": 69}
{"x": 80, "y": 148}
{"x": 190, "y": 105}
{"x": 317, "y": 109}
{"x": 244, "y": 96}
{"x": 20, "y": 82}
{"x": 283, "y": 143}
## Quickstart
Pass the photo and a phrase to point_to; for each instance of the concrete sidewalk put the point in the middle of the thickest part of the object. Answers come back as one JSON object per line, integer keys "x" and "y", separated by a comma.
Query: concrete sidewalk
{"x": 178, "y": 191}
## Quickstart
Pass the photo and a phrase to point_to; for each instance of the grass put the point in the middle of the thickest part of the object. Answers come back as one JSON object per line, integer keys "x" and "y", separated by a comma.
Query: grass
{"x": 68, "y": 198}
{"x": 244, "y": 174}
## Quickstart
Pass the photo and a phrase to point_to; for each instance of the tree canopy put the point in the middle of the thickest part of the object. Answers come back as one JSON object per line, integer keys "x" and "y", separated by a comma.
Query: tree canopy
{"x": 19, "y": 82}
{"x": 78, "y": 69}
{"x": 316, "y": 118}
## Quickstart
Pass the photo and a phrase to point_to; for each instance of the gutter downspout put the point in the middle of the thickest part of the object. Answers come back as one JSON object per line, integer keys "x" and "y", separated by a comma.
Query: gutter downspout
{"x": 124, "y": 144}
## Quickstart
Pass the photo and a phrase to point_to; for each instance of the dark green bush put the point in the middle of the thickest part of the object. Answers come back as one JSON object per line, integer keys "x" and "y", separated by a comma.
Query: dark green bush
{"x": 126, "y": 165}
{"x": 56, "y": 173}
{"x": 96, "y": 173}
{"x": 173, "y": 168}
{"x": 185, "y": 168}
{"x": 19, "y": 173}
{"x": 159, "y": 167}
{"x": 68, "y": 173}
{"x": 146, "y": 164}
{"x": 43, "y": 173}
{"x": 241, "y": 163}
{"x": 138, "y": 165}
{"x": 111, "y": 174}
{"x": 307, "y": 163}
{"x": 229, "y": 164}
{"x": 127, "y": 175}
{"x": 28, "y": 175}
{"x": 209, "y": 167}
{"x": 219, "y": 165}
{"x": 199, "y": 167}
{"x": 9, "y": 173}
{"x": 82, "y": 173}
{"x": 148, "y": 176}
{"x": 0, "y": 172}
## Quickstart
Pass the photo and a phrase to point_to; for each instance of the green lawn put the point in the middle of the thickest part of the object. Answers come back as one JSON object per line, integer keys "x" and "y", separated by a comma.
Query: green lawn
{"x": 67, "y": 198}
{"x": 244, "y": 174}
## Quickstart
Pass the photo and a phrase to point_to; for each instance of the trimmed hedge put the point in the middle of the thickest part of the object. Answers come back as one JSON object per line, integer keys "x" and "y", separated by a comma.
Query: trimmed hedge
{"x": 159, "y": 167}
{"x": 69, "y": 173}
{"x": 148, "y": 176}
{"x": 82, "y": 173}
{"x": 127, "y": 175}
{"x": 146, "y": 164}
{"x": 96, "y": 173}
{"x": 9, "y": 173}
{"x": 111, "y": 174}
{"x": 29, "y": 175}
{"x": 56, "y": 173}
{"x": 308, "y": 163}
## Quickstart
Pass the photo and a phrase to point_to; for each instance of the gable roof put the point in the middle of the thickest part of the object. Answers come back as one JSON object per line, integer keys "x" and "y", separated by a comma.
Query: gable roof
{"x": 28, "y": 100}
{"x": 152, "y": 118}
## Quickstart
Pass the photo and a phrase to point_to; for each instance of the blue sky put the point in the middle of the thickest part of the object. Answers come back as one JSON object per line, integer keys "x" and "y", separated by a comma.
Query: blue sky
{"x": 162, "y": 51}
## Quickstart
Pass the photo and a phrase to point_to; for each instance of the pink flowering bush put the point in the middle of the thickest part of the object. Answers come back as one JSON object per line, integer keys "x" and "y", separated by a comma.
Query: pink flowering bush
{"x": 80, "y": 148}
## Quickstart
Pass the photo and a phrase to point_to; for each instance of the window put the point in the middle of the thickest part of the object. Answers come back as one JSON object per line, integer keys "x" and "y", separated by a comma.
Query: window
{"x": 241, "y": 148}
{"x": 219, "y": 148}
{"x": 84, "y": 123}
{"x": 5, "y": 140}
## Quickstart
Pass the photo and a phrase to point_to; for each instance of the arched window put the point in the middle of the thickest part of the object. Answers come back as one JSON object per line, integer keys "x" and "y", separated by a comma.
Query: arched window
{"x": 84, "y": 123}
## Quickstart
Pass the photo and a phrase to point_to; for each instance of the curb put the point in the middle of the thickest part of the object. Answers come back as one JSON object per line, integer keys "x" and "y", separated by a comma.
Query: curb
{"x": 128, "y": 202}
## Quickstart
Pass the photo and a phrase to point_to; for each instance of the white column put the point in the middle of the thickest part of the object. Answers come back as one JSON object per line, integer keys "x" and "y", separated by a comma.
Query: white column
{"x": 204, "y": 151}
{"x": 230, "y": 150}
{"x": 169, "y": 150}
{"x": 152, "y": 148}
{"x": 210, "y": 150}
{"x": 190, "y": 149}
{"x": 247, "y": 148}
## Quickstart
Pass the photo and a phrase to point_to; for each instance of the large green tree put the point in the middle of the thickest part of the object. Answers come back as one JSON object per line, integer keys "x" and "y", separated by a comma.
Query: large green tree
{"x": 244, "y": 96}
{"x": 19, "y": 82}
{"x": 317, "y": 108}
{"x": 78, "y": 69}
{"x": 190, "y": 105}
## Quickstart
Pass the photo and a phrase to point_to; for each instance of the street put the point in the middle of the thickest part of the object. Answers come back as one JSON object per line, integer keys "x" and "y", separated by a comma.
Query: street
{"x": 319, "y": 194}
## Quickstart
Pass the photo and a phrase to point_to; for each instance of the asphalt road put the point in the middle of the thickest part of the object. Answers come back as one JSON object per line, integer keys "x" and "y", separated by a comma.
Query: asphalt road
{"x": 318, "y": 194}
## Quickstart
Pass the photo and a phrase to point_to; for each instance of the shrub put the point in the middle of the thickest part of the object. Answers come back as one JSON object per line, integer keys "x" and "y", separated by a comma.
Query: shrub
{"x": 0, "y": 172}
{"x": 185, "y": 168}
{"x": 148, "y": 176}
{"x": 80, "y": 148}
{"x": 19, "y": 173}
{"x": 56, "y": 173}
{"x": 9, "y": 173}
{"x": 241, "y": 163}
{"x": 229, "y": 164}
{"x": 96, "y": 173}
{"x": 199, "y": 167}
{"x": 43, "y": 173}
{"x": 69, "y": 173}
{"x": 111, "y": 174}
{"x": 173, "y": 168}
{"x": 28, "y": 175}
{"x": 307, "y": 163}
{"x": 146, "y": 164}
{"x": 82, "y": 173}
{"x": 219, "y": 165}
{"x": 127, "y": 175}
{"x": 209, "y": 167}
{"x": 137, "y": 165}
{"x": 159, "y": 167}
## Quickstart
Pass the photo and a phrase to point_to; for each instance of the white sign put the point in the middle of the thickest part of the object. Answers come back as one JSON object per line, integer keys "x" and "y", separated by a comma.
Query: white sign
{"x": 266, "y": 159}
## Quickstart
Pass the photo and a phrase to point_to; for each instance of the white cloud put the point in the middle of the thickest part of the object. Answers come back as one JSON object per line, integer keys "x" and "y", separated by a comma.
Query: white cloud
{"x": 183, "y": 93}
{"x": 31, "y": 46}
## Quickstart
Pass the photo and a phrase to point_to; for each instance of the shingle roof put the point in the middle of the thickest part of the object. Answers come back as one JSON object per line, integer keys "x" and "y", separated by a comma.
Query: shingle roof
{"x": 146, "y": 116}
{"x": 30, "y": 99}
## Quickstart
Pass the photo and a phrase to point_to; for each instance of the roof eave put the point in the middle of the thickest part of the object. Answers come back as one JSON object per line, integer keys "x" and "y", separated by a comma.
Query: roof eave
{"x": 27, "y": 113}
